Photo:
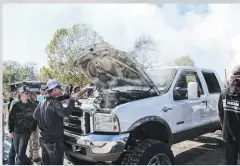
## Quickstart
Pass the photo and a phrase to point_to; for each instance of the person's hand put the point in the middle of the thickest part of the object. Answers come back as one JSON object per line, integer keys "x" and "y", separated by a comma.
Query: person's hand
{"x": 12, "y": 135}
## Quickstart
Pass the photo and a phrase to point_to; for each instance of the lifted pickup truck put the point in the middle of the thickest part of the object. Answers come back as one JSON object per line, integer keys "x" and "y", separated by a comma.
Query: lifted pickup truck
{"x": 138, "y": 114}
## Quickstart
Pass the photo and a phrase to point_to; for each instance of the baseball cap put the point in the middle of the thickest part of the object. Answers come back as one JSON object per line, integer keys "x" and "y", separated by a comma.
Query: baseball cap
{"x": 23, "y": 89}
{"x": 53, "y": 84}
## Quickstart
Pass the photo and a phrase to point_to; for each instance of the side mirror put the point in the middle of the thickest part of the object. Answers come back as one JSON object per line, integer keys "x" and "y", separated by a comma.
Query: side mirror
{"x": 193, "y": 91}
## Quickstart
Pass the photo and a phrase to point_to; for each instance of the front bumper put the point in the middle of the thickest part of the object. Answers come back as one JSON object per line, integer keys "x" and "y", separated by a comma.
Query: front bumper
{"x": 97, "y": 148}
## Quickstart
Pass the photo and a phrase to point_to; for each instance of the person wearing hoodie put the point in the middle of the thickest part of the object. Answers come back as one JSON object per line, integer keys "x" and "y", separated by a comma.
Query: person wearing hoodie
{"x": 21, "y": 124}
{"x": 229, "y": 113}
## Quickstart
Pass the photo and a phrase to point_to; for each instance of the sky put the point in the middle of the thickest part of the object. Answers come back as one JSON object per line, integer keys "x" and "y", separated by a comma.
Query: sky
{"x": 209, "y": 33}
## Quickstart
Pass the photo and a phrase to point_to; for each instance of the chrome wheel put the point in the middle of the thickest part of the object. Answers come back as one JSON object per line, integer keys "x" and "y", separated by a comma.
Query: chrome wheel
{"x": 160, "y": 159}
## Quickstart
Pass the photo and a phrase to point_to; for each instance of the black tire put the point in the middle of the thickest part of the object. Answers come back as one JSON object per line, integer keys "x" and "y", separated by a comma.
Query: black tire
{"x": 145, "y": 150}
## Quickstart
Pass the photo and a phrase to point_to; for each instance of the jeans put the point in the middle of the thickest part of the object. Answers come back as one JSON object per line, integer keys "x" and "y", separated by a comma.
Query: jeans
{"x": 20, "y": 144}
{"x": 232, "y": 152}
{"x": 52, "y": 152}
{"x": 12, "y": 154}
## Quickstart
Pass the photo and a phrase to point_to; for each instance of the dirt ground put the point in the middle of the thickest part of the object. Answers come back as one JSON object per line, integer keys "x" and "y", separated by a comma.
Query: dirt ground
{"x": 205, "y": 150}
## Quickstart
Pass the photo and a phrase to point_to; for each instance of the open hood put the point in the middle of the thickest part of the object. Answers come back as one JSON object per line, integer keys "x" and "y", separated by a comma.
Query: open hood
{"x": 109, "y": 67}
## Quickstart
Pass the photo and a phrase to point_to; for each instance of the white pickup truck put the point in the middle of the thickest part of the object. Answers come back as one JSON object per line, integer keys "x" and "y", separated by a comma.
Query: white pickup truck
{"x": 138, "y": 114}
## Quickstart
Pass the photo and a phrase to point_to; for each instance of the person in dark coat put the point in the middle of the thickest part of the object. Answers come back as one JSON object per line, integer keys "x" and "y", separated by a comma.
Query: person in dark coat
{"x": 229, "y": 113}
{"x": 49, "y": 115}
{"x": 12, "y": 153}
{"x": 21, "y": 124}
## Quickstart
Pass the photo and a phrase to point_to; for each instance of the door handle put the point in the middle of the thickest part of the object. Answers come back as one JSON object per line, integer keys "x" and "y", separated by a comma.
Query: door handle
{"x": 204, "y": 102}
{"x": 166, "y": 109}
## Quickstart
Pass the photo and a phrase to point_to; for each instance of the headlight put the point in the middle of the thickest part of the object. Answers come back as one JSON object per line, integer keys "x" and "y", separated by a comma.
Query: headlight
{"x": 105, "y": 123}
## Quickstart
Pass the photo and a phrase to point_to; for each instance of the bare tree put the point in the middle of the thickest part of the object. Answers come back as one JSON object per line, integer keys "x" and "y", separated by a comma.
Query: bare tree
{"x": 143, "y": 44}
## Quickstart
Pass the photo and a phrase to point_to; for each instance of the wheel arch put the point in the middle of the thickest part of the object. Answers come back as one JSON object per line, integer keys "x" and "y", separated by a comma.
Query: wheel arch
{"x": 149, "y": 125}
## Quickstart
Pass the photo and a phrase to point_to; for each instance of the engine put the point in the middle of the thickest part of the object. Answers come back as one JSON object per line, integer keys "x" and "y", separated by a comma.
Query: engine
{"x": 110, "y": 100}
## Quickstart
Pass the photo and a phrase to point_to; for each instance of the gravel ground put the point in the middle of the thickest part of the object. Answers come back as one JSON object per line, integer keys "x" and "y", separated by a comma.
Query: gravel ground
{"x": 204, "y": 150}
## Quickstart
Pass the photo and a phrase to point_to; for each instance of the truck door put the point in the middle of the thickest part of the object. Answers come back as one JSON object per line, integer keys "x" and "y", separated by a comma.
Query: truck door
{"x": 214, "y": 91}
{"x": 188, "y": 113}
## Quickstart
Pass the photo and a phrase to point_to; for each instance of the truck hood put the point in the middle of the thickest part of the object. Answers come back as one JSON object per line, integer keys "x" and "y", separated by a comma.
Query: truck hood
{"x": 109, "y": 68}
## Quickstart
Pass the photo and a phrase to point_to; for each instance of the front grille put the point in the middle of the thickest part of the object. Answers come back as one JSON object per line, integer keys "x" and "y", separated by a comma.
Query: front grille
{"x": 74, "y": 130}
{"x": 78, "y": 122}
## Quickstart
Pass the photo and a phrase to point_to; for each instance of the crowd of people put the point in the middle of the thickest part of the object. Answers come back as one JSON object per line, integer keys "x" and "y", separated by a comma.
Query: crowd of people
{"x": 32, "y": 114}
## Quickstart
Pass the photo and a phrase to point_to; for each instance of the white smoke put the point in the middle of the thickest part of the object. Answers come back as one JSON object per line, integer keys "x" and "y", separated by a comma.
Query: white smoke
{"x": 211, "y": 39}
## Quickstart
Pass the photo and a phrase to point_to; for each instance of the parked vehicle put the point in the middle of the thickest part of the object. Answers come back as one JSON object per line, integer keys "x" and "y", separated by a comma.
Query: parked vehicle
{"x": 31, "y": 85}
{"x": 138, "y": 113}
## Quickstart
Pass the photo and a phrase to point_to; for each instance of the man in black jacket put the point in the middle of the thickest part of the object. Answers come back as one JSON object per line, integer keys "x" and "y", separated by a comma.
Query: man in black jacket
{"x": 21, "y": 124}
{"x": 49, "y": 115}
{"x": 229, "y": 113}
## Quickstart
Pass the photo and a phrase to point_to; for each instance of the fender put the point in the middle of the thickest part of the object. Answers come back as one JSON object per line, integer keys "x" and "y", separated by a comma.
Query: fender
{"x": 152, "y": 119}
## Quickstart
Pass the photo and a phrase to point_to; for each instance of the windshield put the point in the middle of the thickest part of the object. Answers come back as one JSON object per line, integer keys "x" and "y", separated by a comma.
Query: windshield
{"x": 162, "y": 77}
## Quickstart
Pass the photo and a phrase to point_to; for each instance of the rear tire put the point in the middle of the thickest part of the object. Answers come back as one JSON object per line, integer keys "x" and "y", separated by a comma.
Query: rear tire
{"x": 149, "y": 152}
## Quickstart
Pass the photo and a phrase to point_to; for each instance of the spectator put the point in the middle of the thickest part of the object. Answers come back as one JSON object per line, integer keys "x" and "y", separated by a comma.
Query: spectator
{"x": 21, "y": 124}
{"x": 76, "y": 89}
{"x": 43, "y": 93}
{"x": 12, "y": 152}
{"x": 49, "y": 115}
{"x": 229, "y": 113}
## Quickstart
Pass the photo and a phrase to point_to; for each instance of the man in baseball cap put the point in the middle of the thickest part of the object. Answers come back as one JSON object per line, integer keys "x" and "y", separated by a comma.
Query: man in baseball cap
{"x": 21, "y": 124}
{"x": 49, "y": 115}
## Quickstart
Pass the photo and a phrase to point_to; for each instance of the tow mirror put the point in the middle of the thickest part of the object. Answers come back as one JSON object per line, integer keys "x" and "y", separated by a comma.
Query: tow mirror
{"x": 193, "y": 91}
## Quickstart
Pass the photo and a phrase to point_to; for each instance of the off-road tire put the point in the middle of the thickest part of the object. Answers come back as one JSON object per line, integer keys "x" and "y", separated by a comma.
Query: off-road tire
{"x": 144, "y": 150}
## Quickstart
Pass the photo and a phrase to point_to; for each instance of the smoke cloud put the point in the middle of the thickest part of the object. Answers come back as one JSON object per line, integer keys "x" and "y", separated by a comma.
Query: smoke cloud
{"x": 210, "y": 34}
